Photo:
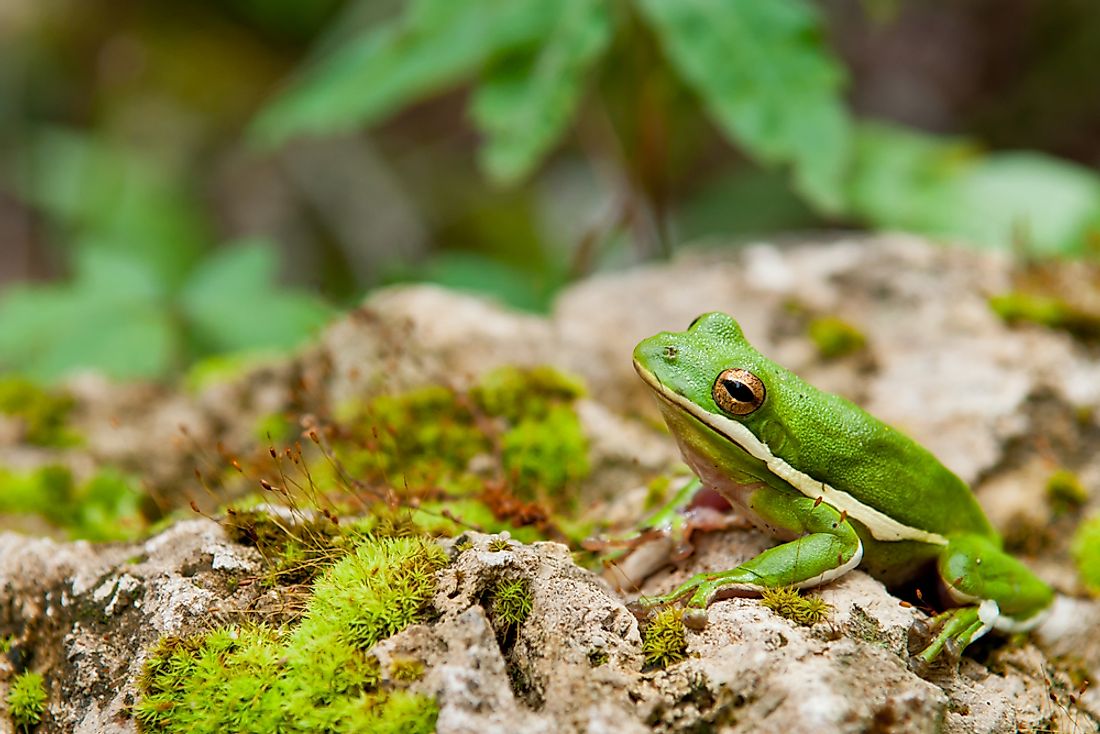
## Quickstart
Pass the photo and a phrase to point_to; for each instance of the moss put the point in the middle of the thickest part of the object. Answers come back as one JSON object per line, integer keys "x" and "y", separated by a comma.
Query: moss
{"x": 1053, "y": 312}
{"x": 106, "y": 507}
{"x": 6, "y": 643}
{"x": 27, "y": 699}
{"x": 786, "y": 601}
{"x": 295, "y": 549}
{"x": 1065, "y": 491}
{"x": 406, "y": 670}
{"x": 499, "y": 544}
{"x": 1085, "y": 549}
{"x": 834, "y": 337}
{"x": 317, "y": 676}
{"x": 542, "y": 456}
{"x": 511, "y": 603}
{"x": 274, "y": 427}
{"x": 43, "y": 413}
{"x": 505, "y": 455}
{"x": 516, "y": 394}
{"x": 664, "y": 639}
{"x": 598, "y": 657}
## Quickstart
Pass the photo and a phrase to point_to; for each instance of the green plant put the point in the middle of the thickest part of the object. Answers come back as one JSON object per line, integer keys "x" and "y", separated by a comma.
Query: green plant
{"x": 532, "y": 63}
{"x": 27, "y": 699}
{"x": 149, "y": 293}
{"x": 511, "y": 602}
{"x": 105, "y": 507}
{"x": 835, "y": 337}
{"x": 44, "y": 414}
{"x": 664, "y": 639}
{"x": 1085, "y": 549}
{"x": 317, "y": 676}
{"x": 761, "y": 72}
{"x": 1065, "y": 492}
{"x": 788, "y": 602}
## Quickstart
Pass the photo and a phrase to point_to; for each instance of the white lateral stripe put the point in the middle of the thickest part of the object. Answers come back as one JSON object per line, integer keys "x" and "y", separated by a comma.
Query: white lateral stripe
{"x": 881, "y": 525}
{"x": 833, "y": 573}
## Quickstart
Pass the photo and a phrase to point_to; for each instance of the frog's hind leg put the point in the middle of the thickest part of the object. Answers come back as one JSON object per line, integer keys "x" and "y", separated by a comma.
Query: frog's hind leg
{"x": 827, "y": 546}
{"x": 1000, "y": 593}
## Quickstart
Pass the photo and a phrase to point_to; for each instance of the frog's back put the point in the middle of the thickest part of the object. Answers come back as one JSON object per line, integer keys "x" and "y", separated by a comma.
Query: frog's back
{"x": 879, "y": 466}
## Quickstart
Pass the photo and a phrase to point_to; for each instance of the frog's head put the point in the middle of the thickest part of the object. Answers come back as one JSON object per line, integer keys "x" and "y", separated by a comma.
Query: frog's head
{"x": 718, "y": 394}
{"x": 710, "y": 366}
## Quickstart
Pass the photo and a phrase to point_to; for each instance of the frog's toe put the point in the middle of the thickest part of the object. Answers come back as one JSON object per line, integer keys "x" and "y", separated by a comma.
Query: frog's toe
{"x": 921, "y": 633}
{"x": 695, "y": 619}
{"x": 640, "y": 609}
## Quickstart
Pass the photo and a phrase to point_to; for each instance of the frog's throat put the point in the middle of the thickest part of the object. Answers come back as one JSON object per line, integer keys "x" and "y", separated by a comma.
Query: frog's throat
{"x": 880, "y": 525}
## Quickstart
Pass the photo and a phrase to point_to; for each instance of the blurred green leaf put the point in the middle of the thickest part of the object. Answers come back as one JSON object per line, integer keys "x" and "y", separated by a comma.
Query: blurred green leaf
{"x": 765, "y": 74}
{"x": 474, "y": 272}
{"x": 524, "y": 106}
{"x": 434, "y": 44}
{"x": 108, "y": 319}
{"x": 1050, "y": 205}
{"x": 233, "y": 302}
{"x": 101, "y": 197}
{"x": 948, "y": 188}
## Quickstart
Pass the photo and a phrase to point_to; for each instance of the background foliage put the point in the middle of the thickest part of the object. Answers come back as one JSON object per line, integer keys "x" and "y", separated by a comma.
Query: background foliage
{"x": 180, "y": 181}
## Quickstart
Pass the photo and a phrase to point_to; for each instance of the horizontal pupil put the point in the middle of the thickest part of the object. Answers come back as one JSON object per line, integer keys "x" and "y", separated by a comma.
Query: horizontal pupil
{"x": 739, "y": 391}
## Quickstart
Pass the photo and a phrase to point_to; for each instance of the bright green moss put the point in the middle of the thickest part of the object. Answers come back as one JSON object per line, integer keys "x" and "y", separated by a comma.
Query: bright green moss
{"x": 106, "y": 507}
{"x": 516, "y": 394}
{"x": 1085, "y": 549}
{"x": 317, "y": 676}
{"x": 406, "y": 670}
{"x": 1052, "y": 312}
{"x": 43, "y": 413}
{"x": 543, "y": 456}
{"x": 27, "y": 699}
{"x": 512, "y": 446}
{"x": 664, "y": 639}
{"x": 1065, "y": 491}
{"x": 511, "y": 603}
{"x": 786, "y": 601}
{"x": 834, "y": 337}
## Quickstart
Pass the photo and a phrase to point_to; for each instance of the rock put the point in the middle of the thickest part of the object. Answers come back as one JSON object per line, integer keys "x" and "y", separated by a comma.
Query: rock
{"x": 1002, "y": 406}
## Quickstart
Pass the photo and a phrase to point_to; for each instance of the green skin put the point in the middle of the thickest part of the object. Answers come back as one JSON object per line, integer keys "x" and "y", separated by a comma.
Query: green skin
{"x": 839, "y": 486}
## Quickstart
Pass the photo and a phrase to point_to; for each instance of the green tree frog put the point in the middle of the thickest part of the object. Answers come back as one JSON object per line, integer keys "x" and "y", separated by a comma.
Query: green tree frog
{"x": 839, "y": 487}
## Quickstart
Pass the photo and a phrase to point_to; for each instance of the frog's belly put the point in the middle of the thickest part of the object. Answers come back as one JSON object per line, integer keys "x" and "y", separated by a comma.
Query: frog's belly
{"x": 738, "y": 492}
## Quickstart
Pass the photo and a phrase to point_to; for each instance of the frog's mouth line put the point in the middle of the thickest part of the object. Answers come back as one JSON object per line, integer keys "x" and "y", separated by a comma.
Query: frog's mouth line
{"x": 881, "y": 526}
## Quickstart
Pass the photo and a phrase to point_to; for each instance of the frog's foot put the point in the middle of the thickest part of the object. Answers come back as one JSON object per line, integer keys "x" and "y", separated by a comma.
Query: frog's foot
{"x": 1000, "y": 593}
{"x": 939, "y": 642}
{"x": 665, "y": 538}
{"x": 829, "y": 549}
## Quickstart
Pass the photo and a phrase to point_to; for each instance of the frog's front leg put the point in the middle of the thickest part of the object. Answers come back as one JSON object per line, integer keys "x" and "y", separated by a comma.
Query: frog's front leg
{"x": 826, "y": 548}
{"x": 1000, "y": 593}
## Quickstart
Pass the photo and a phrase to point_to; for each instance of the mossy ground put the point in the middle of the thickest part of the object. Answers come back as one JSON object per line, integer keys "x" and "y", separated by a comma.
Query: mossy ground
{"x": 351, "y": 534}
{"x": 506, "y": 455}
{"x": 317, "y": 675}
{"x": 43, "y": 413}
{"x": 788, "y": 602}
{"x": 105, "y": 507}
{"x": 664, "y": 638}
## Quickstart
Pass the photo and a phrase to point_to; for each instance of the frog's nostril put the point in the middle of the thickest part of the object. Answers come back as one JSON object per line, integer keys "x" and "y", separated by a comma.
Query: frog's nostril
{"x": 670, "y": 353}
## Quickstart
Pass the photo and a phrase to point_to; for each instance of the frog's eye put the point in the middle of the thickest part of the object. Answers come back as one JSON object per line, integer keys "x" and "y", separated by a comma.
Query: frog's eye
{"x": 738, "y": 391}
